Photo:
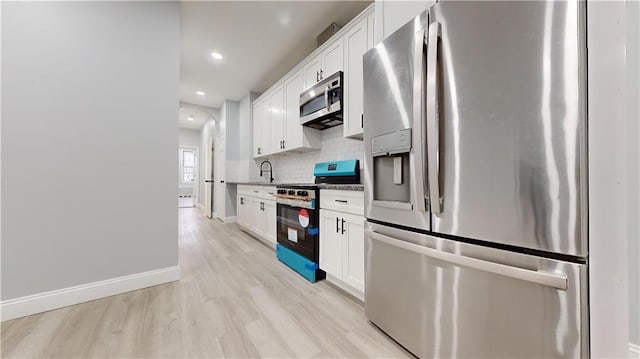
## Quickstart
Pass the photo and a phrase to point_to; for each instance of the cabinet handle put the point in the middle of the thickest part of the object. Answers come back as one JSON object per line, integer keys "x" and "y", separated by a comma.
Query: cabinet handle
{"x": 362, "y": 120}
{"x": 317, "y": 76}
{"x": 343, "y": 226}
{"x": 341, "y": 201}
{"x": 283, "y": 144}
{"x": 321, "y": 76}
{"x": 241, "y": 200}
{"x": 337, "y": 224}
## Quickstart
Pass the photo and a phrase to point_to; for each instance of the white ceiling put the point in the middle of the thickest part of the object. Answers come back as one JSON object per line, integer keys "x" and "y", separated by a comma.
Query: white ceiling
{"x": 260, "y": 42}
{"x": 199, "y": 117}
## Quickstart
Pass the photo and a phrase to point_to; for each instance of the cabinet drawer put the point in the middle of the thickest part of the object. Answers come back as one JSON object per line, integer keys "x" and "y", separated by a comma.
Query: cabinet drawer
{"x": 342, "y": 201}
{"x": 268, "y": 192}
{"x": 244, "y": 190}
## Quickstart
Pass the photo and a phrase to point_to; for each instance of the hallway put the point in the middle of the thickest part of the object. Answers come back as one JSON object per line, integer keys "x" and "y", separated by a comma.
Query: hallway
{"x": 234, "y": 300}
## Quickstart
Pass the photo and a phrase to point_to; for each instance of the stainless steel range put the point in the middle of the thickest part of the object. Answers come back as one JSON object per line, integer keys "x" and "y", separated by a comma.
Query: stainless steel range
{"x": 298, "y": 220}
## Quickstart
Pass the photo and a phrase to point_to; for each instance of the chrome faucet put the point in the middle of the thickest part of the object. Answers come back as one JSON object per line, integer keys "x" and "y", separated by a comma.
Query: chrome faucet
{"x": 270, "y": 170}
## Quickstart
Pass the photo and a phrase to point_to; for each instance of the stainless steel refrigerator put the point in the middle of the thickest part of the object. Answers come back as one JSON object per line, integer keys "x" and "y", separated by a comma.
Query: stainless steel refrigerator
{"x": 475, "y": 181}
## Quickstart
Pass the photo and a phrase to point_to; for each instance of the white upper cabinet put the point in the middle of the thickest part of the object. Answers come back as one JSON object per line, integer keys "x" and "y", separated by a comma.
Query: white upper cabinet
{"x": 312, "y": 71}
{"x": 297, "y": 137}
{"x": 332, "y": 59}
{"x": 258, "y": 117}
{"x": 276, "y": 115}
{"x": 276, "y": 120}
{"x": 356, "y": 44}
{"x": 325, "y": 64}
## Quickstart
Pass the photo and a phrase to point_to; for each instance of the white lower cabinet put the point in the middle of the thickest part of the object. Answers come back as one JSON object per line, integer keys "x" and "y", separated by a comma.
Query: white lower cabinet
{"x": 256, "y": 214}
{"x": 269, "y": 215}
{"x": 342, "y": 249}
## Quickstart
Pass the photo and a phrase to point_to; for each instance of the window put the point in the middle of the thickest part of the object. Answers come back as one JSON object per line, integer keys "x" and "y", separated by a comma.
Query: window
{"x": 188, "y": 165}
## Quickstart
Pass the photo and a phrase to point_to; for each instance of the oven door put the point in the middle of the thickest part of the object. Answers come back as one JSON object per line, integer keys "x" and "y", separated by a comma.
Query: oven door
{"x": 298, "y": 230}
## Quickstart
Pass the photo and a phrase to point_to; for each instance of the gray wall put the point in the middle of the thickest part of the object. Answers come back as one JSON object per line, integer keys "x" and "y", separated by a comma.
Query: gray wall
{"x": 633, "y": 133}
{"x": 89, "y": 139}
{"x": 189, "y": 137}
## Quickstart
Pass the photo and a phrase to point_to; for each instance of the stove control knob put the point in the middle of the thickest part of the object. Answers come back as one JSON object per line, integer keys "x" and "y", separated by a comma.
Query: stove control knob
{"x": 303, "y": 193}
{"x": 282, "y": 191}
{"x": 292, "y": 192}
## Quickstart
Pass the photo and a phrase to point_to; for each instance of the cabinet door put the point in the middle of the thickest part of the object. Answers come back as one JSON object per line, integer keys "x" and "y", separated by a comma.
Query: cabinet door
{"x": 330, "y": 243}
{"x": 269, "y": 217}
{"x": 293, "y": 86}
{"x": 240, "y": 210}
{"x": 332, "y": 59}
{"x": 371, "y": 29}
{"x": 258, "y": 116}
{"x": 255, "y": 215}
{"x": 265, "y": 127}
{"x": 353, "y": 251}
{"x": 356, "y": 44}
{"x": 276, "y": 120}
{"x": 312, "y": 72}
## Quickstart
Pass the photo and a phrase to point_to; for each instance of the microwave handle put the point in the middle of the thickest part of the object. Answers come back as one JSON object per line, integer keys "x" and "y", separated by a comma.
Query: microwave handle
{"x": 326, "y": 98}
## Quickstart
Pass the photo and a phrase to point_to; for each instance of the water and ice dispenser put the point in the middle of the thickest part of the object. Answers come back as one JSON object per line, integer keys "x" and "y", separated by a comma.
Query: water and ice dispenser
{"x": 391, "y": 168}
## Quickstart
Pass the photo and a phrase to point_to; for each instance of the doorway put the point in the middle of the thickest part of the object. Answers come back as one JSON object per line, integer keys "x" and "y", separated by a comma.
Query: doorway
{"x": 209, "y": 173}
{"x": 187, "y": 176}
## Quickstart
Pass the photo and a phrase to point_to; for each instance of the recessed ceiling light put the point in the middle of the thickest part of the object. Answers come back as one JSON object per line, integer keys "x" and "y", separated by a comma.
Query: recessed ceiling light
{"x": 190, "y": 118}
{"x": 201, "y": 93}
{"x": 216, "y": 55}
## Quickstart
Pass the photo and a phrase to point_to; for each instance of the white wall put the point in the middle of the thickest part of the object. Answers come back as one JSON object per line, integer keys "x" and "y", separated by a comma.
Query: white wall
{"x": 633, "y": 156}
{"x": 89, "y": 139}
{"x": 240, "y": 166}
{"x": 189, "y": 137}
{"x": 608, "y": 180}
{"x": 298, "y": 167}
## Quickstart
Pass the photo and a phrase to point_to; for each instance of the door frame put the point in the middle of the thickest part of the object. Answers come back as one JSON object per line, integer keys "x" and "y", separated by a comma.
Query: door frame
{"x": 196, "y": 169}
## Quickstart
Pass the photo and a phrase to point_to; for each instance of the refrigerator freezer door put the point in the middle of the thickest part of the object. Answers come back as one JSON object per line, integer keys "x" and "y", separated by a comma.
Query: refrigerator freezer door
{"x": 446, "y": 299}
{"x": 511, "y": 123}
{"x": 394, "y": 171}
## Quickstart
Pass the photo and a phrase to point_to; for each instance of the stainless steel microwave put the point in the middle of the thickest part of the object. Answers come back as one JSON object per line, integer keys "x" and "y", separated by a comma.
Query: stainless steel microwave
{"x": 321, "y": 105}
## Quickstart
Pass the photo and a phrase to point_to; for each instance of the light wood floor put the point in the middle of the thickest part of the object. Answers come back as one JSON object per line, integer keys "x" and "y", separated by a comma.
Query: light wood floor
{"x": 234, "y": 300}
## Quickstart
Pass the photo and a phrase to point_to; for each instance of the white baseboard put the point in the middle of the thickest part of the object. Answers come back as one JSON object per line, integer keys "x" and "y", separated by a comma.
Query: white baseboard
{"x": 345, "y": 287}
{"x": 46, "y": 301}
{"x": 634, "y": 350}
{"x": 231, "y": 219}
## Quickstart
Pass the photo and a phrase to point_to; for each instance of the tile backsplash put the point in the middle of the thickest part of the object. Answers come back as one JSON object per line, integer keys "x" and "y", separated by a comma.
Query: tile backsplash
{"x": 298, "y": 167}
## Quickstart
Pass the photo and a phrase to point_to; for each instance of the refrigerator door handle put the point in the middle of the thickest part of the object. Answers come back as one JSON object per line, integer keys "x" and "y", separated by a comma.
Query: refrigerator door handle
{"x": 543, "y": 278}
{"x": 433, "y": 130}
{"x": 417, "y": 133}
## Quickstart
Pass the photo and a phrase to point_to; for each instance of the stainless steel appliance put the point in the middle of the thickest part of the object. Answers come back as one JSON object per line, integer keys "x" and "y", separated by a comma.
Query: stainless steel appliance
{"x": 475, "y": 181}
{"x": 321, "y": 105}
{"x": 298, "y": 220}
{"x": 297, "y": 227}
